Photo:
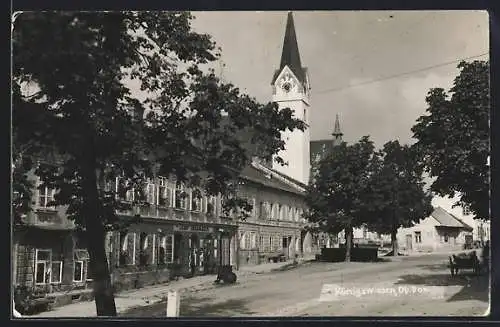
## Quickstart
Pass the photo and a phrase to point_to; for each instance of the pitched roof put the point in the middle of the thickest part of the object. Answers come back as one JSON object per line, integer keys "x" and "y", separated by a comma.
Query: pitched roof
{"x": 290, "y": 55}
{"x": 446, "y": 219}
{"x": 257, "y": 176}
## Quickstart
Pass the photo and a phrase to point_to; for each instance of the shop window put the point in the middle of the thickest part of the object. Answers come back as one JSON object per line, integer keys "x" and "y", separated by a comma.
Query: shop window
{"x": 166, "y": 249}
{"x": 127, "y": 248}
{"x": 42, "y": 266}
{"x": 253, "y": 240}
{"x": 180, "y": 196}
{"x": 243, "y": 244}
{"x": 418, "y": 237}
{"x": 144, "y": 256}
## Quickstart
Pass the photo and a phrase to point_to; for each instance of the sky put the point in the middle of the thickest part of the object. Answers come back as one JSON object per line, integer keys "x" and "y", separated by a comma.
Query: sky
{"x": 345, "y": 48}
{"x": 342, "y": 49}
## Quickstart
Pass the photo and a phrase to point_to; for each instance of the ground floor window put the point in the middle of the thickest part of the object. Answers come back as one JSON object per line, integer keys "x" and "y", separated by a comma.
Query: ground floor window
{"x": 166, "y": 250}
{"x": 80, "y": 266}
{"x": 418, "y": 237}
{"x": 56, "y": 272}
{"x": 42, "y": 266}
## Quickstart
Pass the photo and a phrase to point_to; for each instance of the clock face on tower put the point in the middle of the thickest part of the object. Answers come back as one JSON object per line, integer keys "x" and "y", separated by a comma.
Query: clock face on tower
{"x": 287, "y": 83}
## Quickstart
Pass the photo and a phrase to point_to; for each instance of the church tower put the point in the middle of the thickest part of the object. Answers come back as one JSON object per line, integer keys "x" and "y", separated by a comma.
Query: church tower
{"x": 337, "y": 134}
{"x": 291, "y": 89}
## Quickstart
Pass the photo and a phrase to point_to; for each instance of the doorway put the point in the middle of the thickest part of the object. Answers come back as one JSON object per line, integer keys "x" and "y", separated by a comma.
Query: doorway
{"x": 409, "y": 244}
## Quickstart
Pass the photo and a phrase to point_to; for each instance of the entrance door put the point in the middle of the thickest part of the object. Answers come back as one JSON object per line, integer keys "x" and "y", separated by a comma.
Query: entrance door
{"x": 285, "y": 246}
{"x": 409, "y": 244}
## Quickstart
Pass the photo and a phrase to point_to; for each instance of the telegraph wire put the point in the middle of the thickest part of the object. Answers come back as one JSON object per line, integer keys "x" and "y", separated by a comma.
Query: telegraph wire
{"x": 399, "y": 75}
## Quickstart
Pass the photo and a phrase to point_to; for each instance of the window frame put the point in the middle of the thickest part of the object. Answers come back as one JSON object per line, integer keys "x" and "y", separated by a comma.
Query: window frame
{"x": 194, "y": 198}
{"x": 82, "y": 275}
{"x": 418, "y": 237}
{"x": 47, "y": 198}
{"x": 45, "y": 262}
{"x": 179, "y": 189}
{"x": 60, "y": 262}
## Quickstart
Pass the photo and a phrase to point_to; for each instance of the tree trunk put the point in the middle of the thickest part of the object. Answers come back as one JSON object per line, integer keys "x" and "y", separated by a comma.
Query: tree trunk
{"x": 394, "y": 241}
{"x": 348, "y": 243}
{"x": 95, "y": 234}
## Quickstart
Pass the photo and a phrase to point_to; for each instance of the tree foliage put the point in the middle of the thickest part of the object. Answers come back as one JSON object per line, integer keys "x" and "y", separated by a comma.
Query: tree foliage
{"x": 336, "y": 198}
{"x": 396, "y": 194}
{"x": 186, "y": 122}
{"x": 453, "y": 138}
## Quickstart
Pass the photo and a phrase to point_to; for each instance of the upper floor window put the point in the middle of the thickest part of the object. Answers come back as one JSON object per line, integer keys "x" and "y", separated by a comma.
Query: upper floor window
{"x": 45, "y": 196}
{"x": 211, "y": 205}
{"x": 123, "y": 190}
{"x": 265, "y": 210}
{"x": 180, "y": 196}
{"x": 196, "y": 200}
{"x": 150, "y": 193}
{"x": 164, "y": 193}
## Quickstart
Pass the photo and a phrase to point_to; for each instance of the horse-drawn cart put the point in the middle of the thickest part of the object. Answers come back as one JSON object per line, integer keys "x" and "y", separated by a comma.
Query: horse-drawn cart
{"x": 464, "y": 261}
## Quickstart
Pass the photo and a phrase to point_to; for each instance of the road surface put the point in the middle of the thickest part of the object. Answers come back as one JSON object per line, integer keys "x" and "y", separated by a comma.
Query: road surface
{"x": 409, "y": 286}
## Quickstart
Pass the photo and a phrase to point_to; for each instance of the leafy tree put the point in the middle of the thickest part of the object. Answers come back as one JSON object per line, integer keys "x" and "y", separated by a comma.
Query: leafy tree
{"x": 84, "y": 116}
{"x": 453, "y": 138}
{"x": 336, "y": 196}
{"x": 396, "y": 194}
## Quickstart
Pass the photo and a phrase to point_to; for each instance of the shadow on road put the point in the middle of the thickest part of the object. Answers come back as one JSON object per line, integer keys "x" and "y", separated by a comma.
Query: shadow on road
{"x": 473, "y": 287}
{"x": 205, "y": 307}
{"x": 193, "y": 307}
{"x": 435, "y": 267}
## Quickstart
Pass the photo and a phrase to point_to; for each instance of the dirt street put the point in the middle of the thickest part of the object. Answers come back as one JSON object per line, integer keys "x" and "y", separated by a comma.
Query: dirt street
{"x": 410, "y": 286}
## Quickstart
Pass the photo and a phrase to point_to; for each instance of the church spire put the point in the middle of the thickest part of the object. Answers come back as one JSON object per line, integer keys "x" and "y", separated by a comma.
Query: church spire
{"x": 337, "y": 134}
{"x": 290, "y": 55}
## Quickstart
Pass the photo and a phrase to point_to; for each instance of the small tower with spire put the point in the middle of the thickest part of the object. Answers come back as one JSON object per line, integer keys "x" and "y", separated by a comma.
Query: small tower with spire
{"x": 291, "y": 89}
{"x": 337, "y": 133}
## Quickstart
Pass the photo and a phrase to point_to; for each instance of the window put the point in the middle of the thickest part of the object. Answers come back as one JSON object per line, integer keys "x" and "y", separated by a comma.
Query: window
{"x": 164, "y": 193}
{"x": 166, "y": 249}
{"x": 78, "y": 271}
{"x": 123, "y": 191}
{"x": 196, "y": 200}
{"x": 45, "y": 196}
{"x": 180, "y": 196}
{"x": 150, "y": 193}
{"x": 212, "y": 205}
{"x": 283, "y": 212}
{"x": 264, "y": 210}
{"x": 261, "y": 242}
{"x": 253, "y": 240}
{"x": 270, "y": 243}
{"x": 253, "y": 212}
{"x": 446, "y": 238}
{"x": 418, "y": 237}
{"x": 275, "y": 212}
{"x": 248, "y": 241}
{"x": 305, "y": 118}
{"x": 56, "y": 272}
{"x": 81, "y": 259}
{"x": 42, "y": 266}
{"x": 127, "y": 248}
{"x": 144, "y": 256}
{"x": 243, "y": 241}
